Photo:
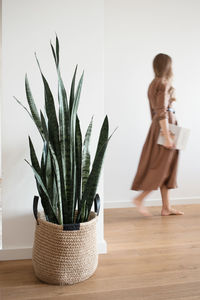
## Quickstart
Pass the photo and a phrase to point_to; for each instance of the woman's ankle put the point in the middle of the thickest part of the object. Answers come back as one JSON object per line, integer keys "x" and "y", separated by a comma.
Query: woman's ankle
{"x": 166, "y": 207}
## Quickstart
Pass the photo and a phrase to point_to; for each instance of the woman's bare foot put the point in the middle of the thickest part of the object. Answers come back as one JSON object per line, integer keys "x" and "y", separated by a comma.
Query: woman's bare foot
{"x": 141, "y": 208}
{"x": 170, "y": 211}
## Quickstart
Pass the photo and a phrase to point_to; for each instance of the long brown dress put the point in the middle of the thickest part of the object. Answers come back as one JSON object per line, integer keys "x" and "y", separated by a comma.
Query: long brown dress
{"x": 157, "y": 164}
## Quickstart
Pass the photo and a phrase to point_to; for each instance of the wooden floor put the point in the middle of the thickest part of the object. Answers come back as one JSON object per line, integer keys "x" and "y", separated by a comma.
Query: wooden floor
{"x": 152, "y": 258}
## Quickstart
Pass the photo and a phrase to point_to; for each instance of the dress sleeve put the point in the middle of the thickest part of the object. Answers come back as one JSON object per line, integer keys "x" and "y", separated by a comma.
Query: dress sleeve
{"x": 161, "y": 102}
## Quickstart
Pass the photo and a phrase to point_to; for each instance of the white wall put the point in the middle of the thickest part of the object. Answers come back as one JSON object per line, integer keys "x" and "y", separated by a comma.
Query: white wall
{"x": 135, "y": 31}
{"x": 28, "y": 26}
{"x": 0, "y": 75}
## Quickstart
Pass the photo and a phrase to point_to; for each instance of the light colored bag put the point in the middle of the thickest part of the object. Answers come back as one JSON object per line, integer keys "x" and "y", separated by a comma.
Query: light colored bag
{"x": 180, "y": 136}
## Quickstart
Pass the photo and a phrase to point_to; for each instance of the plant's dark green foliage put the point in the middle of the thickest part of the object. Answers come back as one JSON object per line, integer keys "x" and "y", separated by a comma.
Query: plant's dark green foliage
{"x": 93, "y": 178}
{"x": 78, "y": 160}
{"x": 86, "y": 156}
{"x": 64, "y": 178}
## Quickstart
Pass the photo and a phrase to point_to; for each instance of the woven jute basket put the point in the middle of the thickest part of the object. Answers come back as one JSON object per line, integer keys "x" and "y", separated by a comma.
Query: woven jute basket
{"x": 65, "y": 254}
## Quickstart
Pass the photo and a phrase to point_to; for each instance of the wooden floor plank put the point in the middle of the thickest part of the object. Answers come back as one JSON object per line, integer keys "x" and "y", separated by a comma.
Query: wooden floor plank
{"x": 156, "y": 258}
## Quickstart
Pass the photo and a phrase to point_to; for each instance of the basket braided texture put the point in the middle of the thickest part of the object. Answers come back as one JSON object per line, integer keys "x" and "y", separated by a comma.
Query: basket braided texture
{"x": 65, "y": 256}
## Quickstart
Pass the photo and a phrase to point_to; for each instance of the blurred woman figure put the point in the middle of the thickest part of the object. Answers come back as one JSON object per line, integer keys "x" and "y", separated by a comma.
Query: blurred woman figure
{"x": 158, "y": 164}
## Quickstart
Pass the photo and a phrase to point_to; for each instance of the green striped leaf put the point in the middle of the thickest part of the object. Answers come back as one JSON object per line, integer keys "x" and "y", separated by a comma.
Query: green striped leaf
{"x": 54, "y": 140}
{"x": 45, "y": 199}
{"x": 33, "y": 156}
{"x": 31, "y": 104}
{"x": 78, "y": 160}
{"x": 72, "y": 91}
{"x": 24, "y": 107}
{"x": 93, "y": 178}
{"x": 64, "y": 125}
{"x": 73, "y": 143}
{"x": 86, "y": 156}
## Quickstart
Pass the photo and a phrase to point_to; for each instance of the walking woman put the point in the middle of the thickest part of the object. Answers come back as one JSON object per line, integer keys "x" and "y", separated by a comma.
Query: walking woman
{"x": 158, "y": 164}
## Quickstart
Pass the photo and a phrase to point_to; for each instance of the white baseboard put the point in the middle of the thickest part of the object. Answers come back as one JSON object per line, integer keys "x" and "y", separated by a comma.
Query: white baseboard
{"x": 152, "y": 202}
{"x": 15, "y": 254}
{"x": 102, "y": 247}
{"x": 26, "y": 253}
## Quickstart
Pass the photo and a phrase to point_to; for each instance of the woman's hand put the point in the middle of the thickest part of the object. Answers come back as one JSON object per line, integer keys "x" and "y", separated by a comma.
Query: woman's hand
{"x": 169, "y": 142}
{"x": 168, "y": 135}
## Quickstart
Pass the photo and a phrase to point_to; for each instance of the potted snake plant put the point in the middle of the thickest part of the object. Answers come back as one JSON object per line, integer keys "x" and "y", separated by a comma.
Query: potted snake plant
{"x": 65, "y": 243}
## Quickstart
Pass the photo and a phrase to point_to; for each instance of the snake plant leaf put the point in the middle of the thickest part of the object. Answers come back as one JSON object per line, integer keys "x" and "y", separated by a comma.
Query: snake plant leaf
{"x": 51, "y": 114}
{"x": 54, "y": 162}
{"x": 53, "y": 130}
{"x": 31, "y": 103}
{"x": 48, "y": 167}
{"x": 72, "y": 90}
{"x": 83, "y": 213}
{"x": 57, "y": 50}
{"x": 58, "y": 182}
{"x": 70, "y": 163}
{"x": 50, "y": 177}
{"x": 34, "y": 113}
{"x": 45, "y": 174}
{"x": 38, "y": 124}
{"x": 33, "y": 156}
{"x": 64, "y": 121}
{"x": 43, "y": 165}
{"x": 61, "y": 87}
{"x": 51, "y": 215}
{"x": 77, "y": 96}
{"x": 44, "y": 154}
{"x": 64, "y": 125}
{"x": 63, "y": 176}
{"x": 56, "y": 170}
{"x": 44, "y": 128}
{"x": 55, "y": 194}
{"x": 47, "y": 170}
{"x": 47, "y": 205}
{"x": 78, "y": 160}
{"x": 39, "y": 179}
{"x": 54, "y": 53}
{"x": 86, "y": 155}
{"x": 93, "y": 178}
{"x": 24, "y": 107}
{"x": 103, "y": 134}
{"x": 73, "y": 142}
{"x": 33, "y": 116}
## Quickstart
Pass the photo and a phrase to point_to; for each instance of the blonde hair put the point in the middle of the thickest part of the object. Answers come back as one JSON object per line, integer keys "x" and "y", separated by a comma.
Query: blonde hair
{"x": 162, "y": 66}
